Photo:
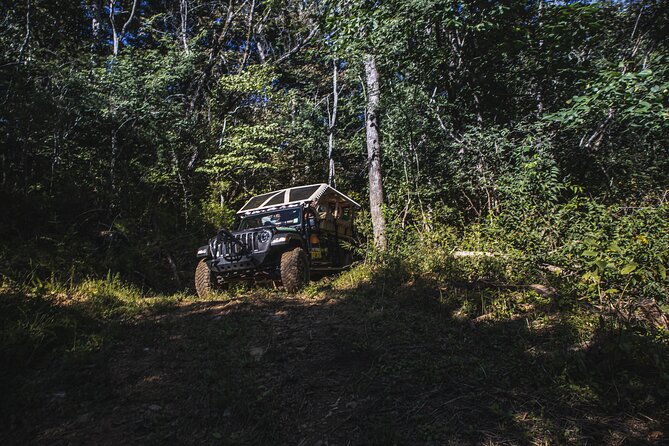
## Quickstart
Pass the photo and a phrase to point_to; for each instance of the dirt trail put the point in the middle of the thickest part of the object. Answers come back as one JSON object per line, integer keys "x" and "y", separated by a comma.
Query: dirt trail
{"x": 278, "y": 369}
{"x": 197, "y": 374}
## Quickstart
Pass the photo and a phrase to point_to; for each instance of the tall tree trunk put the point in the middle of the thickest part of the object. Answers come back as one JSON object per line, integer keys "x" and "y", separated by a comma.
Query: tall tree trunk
{"x": 95, "y": 10}
{"x": 26, "y": 39}
{"x": 331, "y": 126}
{"x": 116, "y": 37}
{"x": 184, "y": 25}
{"x": 249, "y": 35}
{"x": 539, "y": 97}
{"x": 112, "y": 22}
{"x": 374, "y": 152}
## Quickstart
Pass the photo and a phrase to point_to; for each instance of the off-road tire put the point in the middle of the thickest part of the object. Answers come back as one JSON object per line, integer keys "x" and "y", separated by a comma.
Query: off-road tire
{"x": 294, "y": 269}
{"x": 204, "y": 283}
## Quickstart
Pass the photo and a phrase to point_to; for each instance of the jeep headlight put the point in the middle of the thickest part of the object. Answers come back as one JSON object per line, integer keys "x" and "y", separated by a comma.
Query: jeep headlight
{"x": 264, "y": 236}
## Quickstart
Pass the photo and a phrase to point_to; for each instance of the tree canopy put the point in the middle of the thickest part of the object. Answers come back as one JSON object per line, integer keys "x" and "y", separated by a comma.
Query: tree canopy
{"x": 136, "y": 127}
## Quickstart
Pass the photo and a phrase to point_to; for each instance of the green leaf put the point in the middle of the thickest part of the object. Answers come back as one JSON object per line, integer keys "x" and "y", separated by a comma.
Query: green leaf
{"x": 630, "y": 267}
{"x": 590, "y": 241}
{"x": 663, "y": 271}
{"x": 591, "y": 276}
{"x": 614, "y": 247}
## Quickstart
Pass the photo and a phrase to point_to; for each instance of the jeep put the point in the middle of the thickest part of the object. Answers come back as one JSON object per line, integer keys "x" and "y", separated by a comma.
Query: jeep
{"x": 282, "y": 236}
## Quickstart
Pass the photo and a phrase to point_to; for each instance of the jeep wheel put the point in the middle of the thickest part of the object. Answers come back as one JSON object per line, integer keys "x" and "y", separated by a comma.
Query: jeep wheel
{"x": 203, "y": 279}
{"x": 294, "y": 269}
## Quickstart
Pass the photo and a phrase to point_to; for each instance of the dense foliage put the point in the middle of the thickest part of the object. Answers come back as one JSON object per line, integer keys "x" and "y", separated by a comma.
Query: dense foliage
{"x": 536, "y": 130}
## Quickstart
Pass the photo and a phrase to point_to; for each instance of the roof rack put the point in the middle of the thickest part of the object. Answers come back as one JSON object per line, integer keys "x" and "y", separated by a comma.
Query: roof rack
{"x": 312, "y": 193}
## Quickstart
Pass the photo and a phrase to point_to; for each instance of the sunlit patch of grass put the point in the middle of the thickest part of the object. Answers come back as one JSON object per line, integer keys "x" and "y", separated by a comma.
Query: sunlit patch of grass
{"x": 179, "y": 296}
{"x": 316, "y": 288}
{"x": 44, "y": 316}
{"x": 214, "y": 296}
{"x": 577, "y": 393}
{"x": 359, "y": 275}
{"x": 583, "y": 323}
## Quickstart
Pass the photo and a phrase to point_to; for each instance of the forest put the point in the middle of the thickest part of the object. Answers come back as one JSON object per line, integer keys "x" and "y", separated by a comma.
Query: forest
{"x": 512, "y": 161}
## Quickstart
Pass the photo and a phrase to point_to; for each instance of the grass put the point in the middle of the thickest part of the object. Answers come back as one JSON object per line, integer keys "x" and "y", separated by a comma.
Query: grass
{"x": 372, "y": 356}
{"x": 49, "y": 314}
{"x": 47, "y": 321}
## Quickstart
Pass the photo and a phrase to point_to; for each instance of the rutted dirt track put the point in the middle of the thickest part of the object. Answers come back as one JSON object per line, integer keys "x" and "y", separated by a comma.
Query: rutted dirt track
{"x": 200, "y": 374}
{"x": 277, "y": 369}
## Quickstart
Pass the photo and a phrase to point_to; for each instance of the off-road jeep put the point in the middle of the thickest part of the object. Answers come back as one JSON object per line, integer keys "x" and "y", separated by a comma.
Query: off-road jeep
{"x": 282, "y": 236}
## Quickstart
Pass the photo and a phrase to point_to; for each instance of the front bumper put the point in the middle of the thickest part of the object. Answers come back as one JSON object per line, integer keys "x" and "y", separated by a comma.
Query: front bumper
{"x": 242, "y": 257}
{"x": 221, "y": 265}
{"x": 247, "y": 268}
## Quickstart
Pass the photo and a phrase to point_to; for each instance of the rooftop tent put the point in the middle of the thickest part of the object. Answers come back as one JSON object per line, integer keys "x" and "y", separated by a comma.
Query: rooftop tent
{"x": 294, "y": 195}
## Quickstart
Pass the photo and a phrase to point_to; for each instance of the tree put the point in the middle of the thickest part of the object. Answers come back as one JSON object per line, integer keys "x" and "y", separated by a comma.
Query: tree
{"x": 374, "y": 151}
{"x": 332, "y": 123}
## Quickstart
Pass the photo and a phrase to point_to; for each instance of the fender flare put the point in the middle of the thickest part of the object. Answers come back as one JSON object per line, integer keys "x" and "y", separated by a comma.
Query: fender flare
{"x": 287, "y": 239}
{"x": 204, "y": 252}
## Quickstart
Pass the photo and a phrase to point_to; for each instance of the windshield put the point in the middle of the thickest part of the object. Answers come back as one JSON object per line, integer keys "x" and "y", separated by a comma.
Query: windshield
{"x": 286, "y": 217}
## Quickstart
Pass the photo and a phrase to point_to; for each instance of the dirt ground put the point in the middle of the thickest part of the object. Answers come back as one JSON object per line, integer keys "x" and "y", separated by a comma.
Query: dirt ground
{"x": 364, "y": 368}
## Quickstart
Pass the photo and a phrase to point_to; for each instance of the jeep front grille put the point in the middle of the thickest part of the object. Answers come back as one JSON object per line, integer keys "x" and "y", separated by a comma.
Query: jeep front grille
{"x": 233, "y": 251}
{"x": 249, "y": 239}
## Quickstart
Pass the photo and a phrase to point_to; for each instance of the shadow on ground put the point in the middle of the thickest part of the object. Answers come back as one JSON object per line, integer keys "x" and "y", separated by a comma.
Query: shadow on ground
{"x": 372, "y": 364}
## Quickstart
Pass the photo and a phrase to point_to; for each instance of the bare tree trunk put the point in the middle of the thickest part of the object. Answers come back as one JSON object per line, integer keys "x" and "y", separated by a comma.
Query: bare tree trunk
{"x": 26, "y": 39}
{"x": 539, "y": 91}
{"x": 374, "y": 152}
{"x": 173, "y": 267}
{"x": 249, "y": 34}
{"x": 130, "y": 19}
{"x": 184, "y": 25}
{"x": 116, "y": 37}
{"x": 331, "y": 126}
{"x": 95, "y": 10}
{"x": 477, "y": 109}
{"x": 112, "y": 22}
{"x": 260, "y": 44}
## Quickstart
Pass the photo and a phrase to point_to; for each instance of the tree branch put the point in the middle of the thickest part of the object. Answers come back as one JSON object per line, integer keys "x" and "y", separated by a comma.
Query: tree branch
{"x": 132, "y": 16}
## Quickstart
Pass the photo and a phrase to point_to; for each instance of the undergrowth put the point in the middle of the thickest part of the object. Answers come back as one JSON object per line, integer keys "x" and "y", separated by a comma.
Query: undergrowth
{"x": 597, "y": 271}
{"x": 611, "y": 259}
{"x": 44, "y": 320}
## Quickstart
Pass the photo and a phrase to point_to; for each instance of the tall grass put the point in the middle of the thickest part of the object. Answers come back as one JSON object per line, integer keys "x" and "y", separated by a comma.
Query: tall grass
{"x": 48, "y": 317}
